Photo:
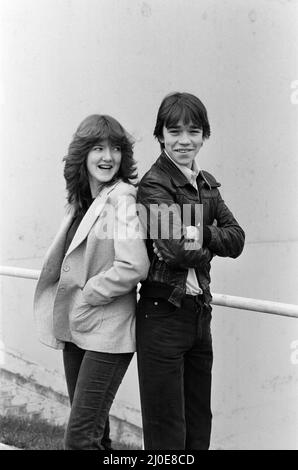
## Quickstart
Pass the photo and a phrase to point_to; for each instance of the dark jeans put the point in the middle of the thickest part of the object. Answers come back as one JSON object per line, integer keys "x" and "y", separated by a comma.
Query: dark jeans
{"x": 93, "y": 379}
{"x": 174, "y": 351}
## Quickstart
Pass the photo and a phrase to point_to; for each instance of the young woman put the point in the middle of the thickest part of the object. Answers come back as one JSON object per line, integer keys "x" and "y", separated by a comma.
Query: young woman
{"x": 86, "y": 294}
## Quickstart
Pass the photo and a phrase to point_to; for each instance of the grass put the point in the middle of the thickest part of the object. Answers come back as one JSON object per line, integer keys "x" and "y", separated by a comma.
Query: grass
{"x": 35, "y": 434}
{"x": 30, "y": 434}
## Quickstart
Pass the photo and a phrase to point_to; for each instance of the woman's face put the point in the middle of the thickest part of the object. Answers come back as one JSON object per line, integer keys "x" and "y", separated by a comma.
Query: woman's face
{"x": 103, "y": 163}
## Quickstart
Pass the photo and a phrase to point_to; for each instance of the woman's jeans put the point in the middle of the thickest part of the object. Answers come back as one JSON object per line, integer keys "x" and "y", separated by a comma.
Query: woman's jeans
{"x": 93, "y": 379}
{"x": 174, "y": 351}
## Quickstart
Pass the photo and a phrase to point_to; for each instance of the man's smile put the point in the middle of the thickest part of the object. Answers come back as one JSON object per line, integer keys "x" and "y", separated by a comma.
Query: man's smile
{"x": 184, "y": 150}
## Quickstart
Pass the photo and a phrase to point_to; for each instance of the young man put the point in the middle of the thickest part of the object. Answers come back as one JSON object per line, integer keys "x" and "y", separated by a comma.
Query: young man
{"x": 173, "y": 319}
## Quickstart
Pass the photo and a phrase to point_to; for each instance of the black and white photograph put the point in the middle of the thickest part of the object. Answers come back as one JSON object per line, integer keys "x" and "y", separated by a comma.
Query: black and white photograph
{"x": 149, "y": 227}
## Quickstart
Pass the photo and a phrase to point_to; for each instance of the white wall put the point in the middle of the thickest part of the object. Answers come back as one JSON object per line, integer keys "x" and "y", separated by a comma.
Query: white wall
{"x": 64, "y": 59}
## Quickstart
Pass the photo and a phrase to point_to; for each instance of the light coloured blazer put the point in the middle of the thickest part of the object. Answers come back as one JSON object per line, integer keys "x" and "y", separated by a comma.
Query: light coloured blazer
{"x": 88, "y": 296}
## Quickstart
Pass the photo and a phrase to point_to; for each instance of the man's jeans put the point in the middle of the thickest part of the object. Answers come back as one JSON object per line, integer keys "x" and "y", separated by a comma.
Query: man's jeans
{"x": 174, "y": 351}
{"x": 93, "y": 379}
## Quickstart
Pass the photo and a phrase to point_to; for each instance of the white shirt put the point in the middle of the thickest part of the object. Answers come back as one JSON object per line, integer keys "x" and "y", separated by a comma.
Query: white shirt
{"x": 192, "y": 285}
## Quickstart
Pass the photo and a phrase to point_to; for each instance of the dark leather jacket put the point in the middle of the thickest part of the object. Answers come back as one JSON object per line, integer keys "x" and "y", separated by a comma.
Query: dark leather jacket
{"x": 164, "y": 183}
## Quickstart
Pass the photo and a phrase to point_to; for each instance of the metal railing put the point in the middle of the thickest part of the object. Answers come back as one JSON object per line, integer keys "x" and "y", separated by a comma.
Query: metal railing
{"x": 243, "y": 303}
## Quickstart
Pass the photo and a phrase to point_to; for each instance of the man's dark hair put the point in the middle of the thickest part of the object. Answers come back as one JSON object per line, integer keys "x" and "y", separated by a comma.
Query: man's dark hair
{"x": 181, "y": 106}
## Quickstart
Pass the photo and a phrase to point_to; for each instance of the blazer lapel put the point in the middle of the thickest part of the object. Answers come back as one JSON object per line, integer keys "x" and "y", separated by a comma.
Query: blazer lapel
{"x": 90, "y": 218}
{"x": 54, "y": 255}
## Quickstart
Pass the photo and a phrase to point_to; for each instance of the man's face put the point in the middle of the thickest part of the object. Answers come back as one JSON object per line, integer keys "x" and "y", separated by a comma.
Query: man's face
{"x": 182, "y": 142}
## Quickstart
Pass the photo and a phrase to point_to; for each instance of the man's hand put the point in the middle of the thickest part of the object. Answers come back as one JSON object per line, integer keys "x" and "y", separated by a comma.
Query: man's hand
{"x": 192, "y": 232}
{"x": 155, "y": 249}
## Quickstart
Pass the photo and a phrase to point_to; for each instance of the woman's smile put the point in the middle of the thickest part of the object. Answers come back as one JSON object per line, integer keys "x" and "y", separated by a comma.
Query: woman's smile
{"x": 103, "y": 163}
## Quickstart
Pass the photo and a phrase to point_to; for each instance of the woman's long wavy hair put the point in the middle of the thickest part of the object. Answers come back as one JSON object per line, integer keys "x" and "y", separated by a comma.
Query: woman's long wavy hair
{"x": 93, "y": 130}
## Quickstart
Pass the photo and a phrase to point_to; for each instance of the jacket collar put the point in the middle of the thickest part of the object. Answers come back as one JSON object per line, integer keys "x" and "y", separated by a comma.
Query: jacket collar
{"x": 178, "y": 178}
{"x": 90, "y": 217}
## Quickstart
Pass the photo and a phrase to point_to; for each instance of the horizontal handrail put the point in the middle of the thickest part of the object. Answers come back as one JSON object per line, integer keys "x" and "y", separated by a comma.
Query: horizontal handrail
{"x": 243, "y": 303}
{"x": 19, "y": 272}
{"x": 256, "y": 305}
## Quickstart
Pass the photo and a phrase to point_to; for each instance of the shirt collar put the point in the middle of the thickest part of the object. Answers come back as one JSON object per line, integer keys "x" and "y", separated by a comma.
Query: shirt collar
{"x": 190, "y": 173}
